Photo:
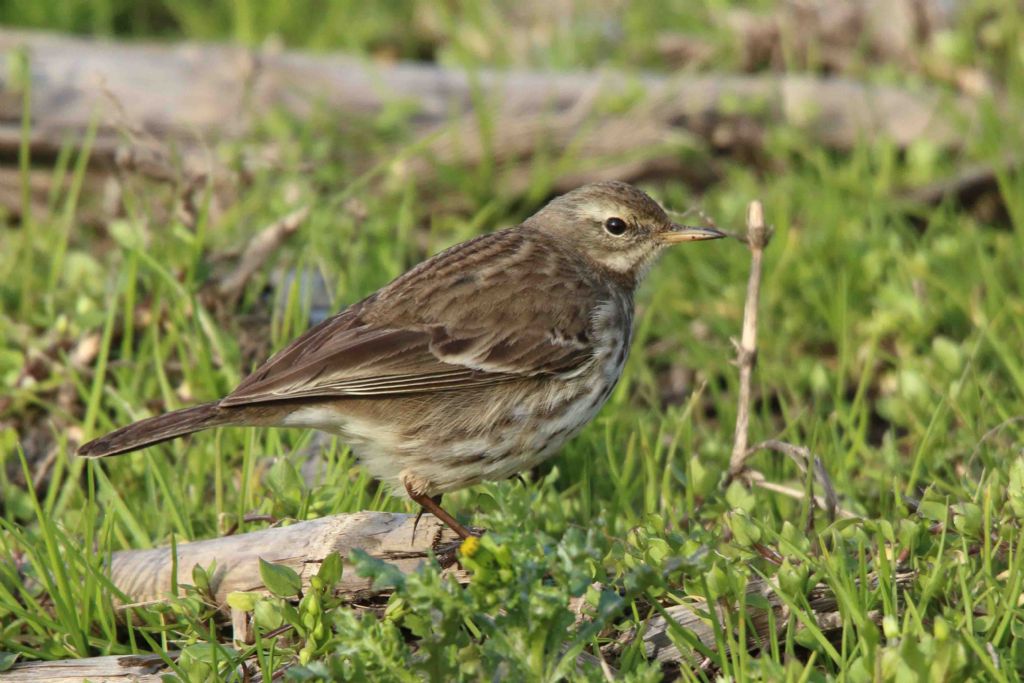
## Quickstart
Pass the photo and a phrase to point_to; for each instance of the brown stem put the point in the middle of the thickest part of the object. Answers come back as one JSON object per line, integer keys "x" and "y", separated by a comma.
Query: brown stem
{"x": 757, "y": 239}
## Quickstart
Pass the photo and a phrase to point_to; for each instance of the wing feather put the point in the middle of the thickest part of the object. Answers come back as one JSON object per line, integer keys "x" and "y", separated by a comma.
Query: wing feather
{"x": 464, "y": 327}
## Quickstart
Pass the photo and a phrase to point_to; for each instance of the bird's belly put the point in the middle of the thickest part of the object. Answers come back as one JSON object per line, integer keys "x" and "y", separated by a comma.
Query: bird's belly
{"x": 521, "y": 441}
{"x": 526, "y": 429}
{"x": 443, "y": 443}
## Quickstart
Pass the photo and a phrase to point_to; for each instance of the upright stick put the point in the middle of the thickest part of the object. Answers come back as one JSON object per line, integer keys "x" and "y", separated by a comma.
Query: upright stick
{"x": 757, "y": 239}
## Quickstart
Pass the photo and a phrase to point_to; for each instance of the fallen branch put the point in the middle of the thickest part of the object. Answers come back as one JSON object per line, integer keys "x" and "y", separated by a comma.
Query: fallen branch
{"x": 146, "y": 576}
{"x": 207, "y": 93}
{"x": 129, "y": 668}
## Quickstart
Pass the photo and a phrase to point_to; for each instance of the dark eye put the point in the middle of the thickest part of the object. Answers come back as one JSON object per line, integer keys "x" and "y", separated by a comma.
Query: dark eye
{"x": 615, "y": 226}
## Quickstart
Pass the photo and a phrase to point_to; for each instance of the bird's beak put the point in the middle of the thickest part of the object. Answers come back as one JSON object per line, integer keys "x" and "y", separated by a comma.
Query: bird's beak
{"x": 689, "y": 233}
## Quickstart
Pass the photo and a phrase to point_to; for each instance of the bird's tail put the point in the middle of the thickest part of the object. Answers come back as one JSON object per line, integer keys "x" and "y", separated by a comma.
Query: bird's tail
{"x": 154, "y": 430}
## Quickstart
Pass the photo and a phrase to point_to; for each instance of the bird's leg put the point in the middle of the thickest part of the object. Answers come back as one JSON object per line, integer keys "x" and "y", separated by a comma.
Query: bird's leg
{"x": 433, "y": 506}
{"x": 416, "y": 522}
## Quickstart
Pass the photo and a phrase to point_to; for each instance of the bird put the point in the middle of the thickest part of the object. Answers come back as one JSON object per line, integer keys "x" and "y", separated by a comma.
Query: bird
{"x": 475, "y": 365}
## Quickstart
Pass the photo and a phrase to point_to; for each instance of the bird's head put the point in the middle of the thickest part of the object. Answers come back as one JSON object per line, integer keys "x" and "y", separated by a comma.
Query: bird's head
{"x": 616, "y": 226}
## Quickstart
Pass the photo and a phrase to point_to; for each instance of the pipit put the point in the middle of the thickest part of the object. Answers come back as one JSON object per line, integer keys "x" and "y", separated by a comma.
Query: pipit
{"x": 475, "y": 365}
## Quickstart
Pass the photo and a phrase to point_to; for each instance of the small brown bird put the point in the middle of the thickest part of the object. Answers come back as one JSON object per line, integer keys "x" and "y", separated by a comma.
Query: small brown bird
{"x": 475, "y": 365}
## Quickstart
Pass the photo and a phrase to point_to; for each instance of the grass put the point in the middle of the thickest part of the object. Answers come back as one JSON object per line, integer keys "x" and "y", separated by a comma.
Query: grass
{"x": 890, "y": 345}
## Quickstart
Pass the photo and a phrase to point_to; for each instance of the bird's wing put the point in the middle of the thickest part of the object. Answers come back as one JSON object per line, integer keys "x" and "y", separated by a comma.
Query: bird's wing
{"x": 466, "y": 320}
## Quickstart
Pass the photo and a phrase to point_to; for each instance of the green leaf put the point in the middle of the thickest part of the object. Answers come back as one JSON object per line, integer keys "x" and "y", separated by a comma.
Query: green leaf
{"x": 739, "y": 497}
{"x": 890, "y": 626}
{"x": 718, "y": 583}
{"x": 948, "y": 354}
{"x": 201, "y": 577}
{"x": 384, "y": 575}
{"x": 284, "y": 480}
{"x": 743, "y": 529}
{"x": 292, "y": 616}
{"x": 657, "y": 551}
{"x": 330, "y": 570}
{"x": 701, "y": 479}
{"x": 280, "y": 580}
{"x": 933, "y": 510}
{"x": 793, "y": 580}
{"x": 7, "y": 660}
{"x": 267, "y": 615}
{"x": 242, "y": 600}
{"x": 967, "y": 519}
{"x": 208, "y": 653}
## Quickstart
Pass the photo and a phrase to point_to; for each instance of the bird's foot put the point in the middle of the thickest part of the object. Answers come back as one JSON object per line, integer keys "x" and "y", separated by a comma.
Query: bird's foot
{"x": 432, "y": 504}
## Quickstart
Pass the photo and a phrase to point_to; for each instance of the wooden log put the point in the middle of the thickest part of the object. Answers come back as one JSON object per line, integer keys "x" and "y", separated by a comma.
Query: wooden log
{"x": 114, "y": 668}
{"x": 145, "y": 576}
{"x": 196, "y": 93}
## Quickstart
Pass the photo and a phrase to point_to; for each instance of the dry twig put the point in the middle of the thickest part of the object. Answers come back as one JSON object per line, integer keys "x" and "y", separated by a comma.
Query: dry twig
{"x": 802, "y": 456}
{"x": 259, "y": 250}
{"x": 758, "y": 236}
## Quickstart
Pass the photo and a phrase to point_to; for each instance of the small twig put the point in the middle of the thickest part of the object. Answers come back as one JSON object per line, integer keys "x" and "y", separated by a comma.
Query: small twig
{"x": 802, "y": 456}
{"x": 757, "y": 238}
{"x": 758, "y": 480}
{"x": 258, "y": 251}
{"x": 991, "y": 434}
{"x": 746, "y": 351}
{"x": 249, "y": 518}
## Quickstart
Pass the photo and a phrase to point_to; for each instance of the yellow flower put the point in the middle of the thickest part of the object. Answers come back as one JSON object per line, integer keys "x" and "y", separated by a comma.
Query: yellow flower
{"x": 470, "y": 546}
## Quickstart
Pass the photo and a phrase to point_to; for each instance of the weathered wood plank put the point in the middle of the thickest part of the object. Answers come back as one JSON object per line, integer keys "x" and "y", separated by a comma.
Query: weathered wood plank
{"x": 115, "y": 668}
{"x": 145, "y": 575}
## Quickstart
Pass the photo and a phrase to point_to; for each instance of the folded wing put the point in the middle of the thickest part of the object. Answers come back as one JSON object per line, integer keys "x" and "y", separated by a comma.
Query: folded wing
{"x": 464, "y": 328}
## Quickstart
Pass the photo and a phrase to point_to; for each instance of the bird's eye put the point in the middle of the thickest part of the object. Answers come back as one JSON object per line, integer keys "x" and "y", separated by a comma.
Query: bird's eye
{"x": 615, "y": 226}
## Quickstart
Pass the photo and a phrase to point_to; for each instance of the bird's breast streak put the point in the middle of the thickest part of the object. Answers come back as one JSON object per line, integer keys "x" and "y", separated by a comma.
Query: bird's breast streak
{"x": 538, "y": 423}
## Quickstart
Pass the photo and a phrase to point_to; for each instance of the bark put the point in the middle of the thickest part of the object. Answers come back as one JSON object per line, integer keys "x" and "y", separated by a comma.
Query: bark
{"x": 145, "y": 576}
{"x": 128, "y": 668}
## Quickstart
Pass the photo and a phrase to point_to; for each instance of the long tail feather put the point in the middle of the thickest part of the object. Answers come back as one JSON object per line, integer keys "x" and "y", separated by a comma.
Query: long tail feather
{"x": 157, "y": 429}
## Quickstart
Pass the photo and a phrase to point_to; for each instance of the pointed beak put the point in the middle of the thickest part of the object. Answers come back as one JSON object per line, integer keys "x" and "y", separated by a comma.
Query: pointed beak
{"x": 689, "y": 233}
